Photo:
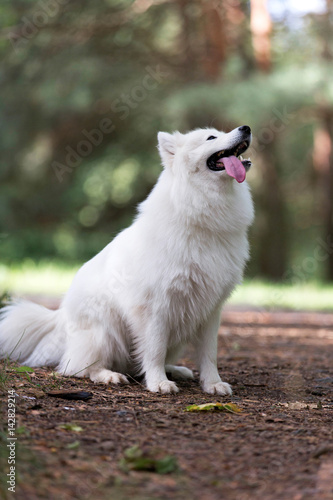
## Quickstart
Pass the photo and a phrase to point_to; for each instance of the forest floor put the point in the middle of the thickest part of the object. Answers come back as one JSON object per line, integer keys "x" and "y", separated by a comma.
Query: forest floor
{"x": 126, "y": 443}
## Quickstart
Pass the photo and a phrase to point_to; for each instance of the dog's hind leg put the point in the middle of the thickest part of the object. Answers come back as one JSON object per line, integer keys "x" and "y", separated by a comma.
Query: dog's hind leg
{"x": 91, "y": 351}
{"x": 104, "y": 376}
{"x": 178, "y": 372}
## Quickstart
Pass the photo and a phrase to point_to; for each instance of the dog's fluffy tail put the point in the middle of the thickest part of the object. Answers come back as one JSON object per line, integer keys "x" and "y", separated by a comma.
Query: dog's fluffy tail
{"x": 32, "y": 334}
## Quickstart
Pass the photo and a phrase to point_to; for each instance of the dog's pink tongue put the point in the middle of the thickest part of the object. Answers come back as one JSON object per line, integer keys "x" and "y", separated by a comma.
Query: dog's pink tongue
{"x": 234, "y": 167}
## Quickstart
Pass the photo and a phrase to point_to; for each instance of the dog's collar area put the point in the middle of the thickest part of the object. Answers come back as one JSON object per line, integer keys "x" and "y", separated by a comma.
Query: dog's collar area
{"x": 237, "y": 151}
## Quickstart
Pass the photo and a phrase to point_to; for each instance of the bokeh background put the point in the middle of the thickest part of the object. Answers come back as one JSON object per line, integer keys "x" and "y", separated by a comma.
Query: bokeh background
{"x": 86, "y": 86}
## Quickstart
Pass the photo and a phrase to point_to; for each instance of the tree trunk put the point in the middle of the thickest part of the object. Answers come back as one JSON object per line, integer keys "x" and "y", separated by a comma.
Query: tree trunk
{"x": 261, "y": 27}
{"x": 323, "y": 144}
{"x": 215, "y": 50}
{"x": 323, "y": 164}
{"x": 222, "y": 31}
{"x": 188, "y": 49}
{"x": 273, "y": 239}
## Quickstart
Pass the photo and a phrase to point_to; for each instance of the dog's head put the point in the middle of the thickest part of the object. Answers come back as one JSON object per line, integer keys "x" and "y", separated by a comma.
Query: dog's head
{"x": 207, "y": 152}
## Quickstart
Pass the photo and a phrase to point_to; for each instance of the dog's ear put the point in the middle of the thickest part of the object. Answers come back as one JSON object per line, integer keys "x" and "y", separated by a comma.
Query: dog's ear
{"x": 166, "y": 147}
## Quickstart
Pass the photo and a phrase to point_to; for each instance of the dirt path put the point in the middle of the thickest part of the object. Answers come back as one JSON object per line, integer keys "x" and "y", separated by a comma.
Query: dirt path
{"x": 279, "y": 447}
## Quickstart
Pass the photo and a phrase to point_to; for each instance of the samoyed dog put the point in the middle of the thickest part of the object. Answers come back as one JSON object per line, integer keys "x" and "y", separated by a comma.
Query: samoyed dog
{"x": 160, "y": 284}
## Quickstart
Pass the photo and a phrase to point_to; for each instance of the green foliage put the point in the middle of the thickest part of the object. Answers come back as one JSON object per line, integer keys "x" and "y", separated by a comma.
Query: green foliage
{"x": 138, "y": 459}
{"x": 298, "y": 291}
{"x": 4, "y": 375}
{"x": 4, "y": 298}
{"x": 84, "y": 94}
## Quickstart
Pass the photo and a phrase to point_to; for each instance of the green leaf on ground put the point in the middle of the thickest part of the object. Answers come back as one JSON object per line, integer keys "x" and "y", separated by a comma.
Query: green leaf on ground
{"x": 229, "y": 407}
{"x": 137, "y": 459}
{"x": 23, "y": 369}
{"x": 71, "y": 427}
{"x": 73, "y": 446}
{"x": 166, "y": 465}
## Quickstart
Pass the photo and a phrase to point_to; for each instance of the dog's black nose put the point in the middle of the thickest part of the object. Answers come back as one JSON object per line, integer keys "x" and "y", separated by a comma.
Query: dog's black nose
{"x": 245, "y": 128}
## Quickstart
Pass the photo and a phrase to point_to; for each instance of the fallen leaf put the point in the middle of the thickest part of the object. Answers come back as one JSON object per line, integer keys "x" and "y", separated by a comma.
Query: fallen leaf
{"x": 229, "y": 407}
{"x": 76, "y": 395}
{"x": 166, "y": 465}
{"x": 23, "y": 369}
{"x": 137, "y": 459}
{"x": 38, "y": 394}
{"x": 71, "y": 427}
{"x": 297, "y": 405}
{"x": 73, "y": 446}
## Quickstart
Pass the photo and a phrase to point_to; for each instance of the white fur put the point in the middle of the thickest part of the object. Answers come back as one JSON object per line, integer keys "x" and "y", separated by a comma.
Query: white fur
{"x": 159, "y": 285}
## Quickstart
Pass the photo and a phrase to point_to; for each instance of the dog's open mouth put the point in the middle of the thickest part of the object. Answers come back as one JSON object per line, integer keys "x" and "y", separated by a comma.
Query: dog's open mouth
{"x": 231, "y": 160}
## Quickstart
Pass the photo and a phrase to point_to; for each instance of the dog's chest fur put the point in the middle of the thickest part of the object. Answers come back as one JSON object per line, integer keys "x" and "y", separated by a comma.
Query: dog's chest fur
{"x": 196, "y": 283}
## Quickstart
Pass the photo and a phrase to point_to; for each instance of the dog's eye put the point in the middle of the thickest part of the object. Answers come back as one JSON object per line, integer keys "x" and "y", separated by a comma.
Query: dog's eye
{"x": 211, "y": 137}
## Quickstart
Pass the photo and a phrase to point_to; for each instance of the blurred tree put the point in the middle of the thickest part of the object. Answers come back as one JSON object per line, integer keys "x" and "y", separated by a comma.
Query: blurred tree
{"x": 273, "y": 254}
{"x": 273, "y": 237}
{"x": 323, "y": 137}
{"x": 85, "y": 88}
{"x": 261, "y": 28}
{"x": 215, "y": 35}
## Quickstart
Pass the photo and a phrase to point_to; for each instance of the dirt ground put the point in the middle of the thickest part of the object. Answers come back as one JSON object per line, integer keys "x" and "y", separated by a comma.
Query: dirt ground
{"x": 279, "y": 447}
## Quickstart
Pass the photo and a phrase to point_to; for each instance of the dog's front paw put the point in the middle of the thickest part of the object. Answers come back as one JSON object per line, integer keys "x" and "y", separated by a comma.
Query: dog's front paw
{"x": 107, "y": 376}
{"x": 220, "y": 388}
{"x": 164, "y": 387}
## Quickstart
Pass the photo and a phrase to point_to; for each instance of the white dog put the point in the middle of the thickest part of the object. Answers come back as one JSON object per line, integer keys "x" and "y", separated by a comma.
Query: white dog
{"x": 160, "y": 284}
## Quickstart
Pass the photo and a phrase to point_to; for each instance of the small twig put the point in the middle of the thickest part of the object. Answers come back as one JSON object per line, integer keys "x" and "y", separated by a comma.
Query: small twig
{"x": 85, "y": 368}
{"x": 134, "y": 380}
{"x": 255, "y": 385}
